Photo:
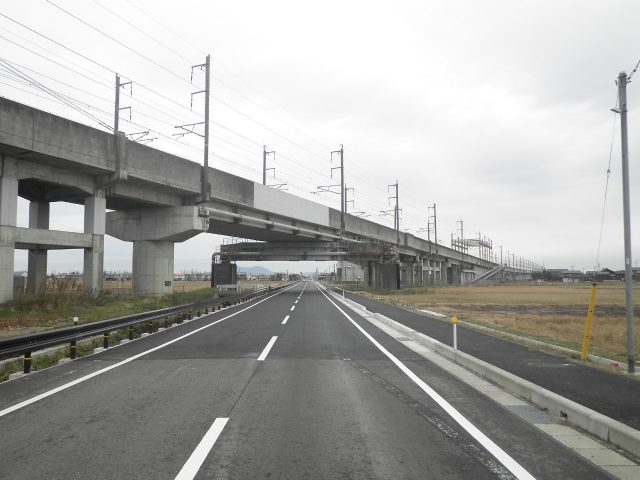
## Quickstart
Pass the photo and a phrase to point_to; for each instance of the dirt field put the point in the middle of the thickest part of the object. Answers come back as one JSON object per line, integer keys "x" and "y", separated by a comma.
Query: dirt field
{"x": 554, "y": 313}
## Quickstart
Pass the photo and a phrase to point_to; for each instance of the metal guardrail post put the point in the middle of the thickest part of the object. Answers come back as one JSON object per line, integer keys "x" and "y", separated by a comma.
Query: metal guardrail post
{"x": 105, "y": 340}
{"x": 27, "y": 362}
{"x": 150, "y": 327}
{"x": 73, "y": 350}
{"x": 166, "y": 322}
{"x": 131, "y": 332}
{"x": 206, "y": 310}
{"x": 190, "y": 315}
{"x": 180, "y": 318}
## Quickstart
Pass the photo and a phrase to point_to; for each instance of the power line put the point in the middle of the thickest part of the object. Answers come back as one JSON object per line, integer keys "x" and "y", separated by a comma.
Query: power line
{"x": 57, "y": 43}
{"x": 132, "y": 25}
{"x": 606, "y": 185}
{"x": 119, "y": 42}
{"x": 46, "y": 89}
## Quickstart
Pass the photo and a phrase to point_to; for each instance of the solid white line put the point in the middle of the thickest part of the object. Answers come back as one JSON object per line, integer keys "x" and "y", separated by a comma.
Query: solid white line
{"x": 265, "y": 352}
{"x": 502, "y": 456}
{"x": 293, "y": 308}
{"x": 285, "y": 319}
{"x": 53, "y": 391}
{"x": 190, "y": 469}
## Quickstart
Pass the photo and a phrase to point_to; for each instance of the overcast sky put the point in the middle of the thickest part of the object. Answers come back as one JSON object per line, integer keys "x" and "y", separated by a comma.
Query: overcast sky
{"x": 496, "y": 111}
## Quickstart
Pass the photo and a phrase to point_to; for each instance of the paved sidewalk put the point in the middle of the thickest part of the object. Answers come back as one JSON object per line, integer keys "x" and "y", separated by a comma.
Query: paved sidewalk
{"x": 613, "y": 395}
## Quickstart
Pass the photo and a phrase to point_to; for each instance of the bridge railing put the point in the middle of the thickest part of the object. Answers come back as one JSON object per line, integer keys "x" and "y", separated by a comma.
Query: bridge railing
{"x": 25, "y": 345}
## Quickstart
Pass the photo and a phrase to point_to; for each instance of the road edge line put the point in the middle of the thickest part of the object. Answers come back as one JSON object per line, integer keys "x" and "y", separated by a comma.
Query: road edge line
{"x": 498, "y": 453}
{"x": 601, "y": 426}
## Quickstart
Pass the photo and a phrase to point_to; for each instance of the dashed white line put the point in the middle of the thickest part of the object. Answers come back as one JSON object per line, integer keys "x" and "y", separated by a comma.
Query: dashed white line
{"x": 190, "y": 469}
{"x": 502, "y": 456}
{"x": 265, "y": 352}
{"x": 293, "y": 308}
{"x": 285, "y": 320}
{"x": 60, "y": 388}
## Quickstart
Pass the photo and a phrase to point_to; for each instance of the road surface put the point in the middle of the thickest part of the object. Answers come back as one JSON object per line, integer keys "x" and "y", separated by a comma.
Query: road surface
{"x": 291, "y": 386}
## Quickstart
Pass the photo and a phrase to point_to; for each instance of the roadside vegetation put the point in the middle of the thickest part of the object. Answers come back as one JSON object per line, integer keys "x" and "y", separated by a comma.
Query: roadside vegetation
{"x": 550, "y": 312}
{"x": 48, "y": 310}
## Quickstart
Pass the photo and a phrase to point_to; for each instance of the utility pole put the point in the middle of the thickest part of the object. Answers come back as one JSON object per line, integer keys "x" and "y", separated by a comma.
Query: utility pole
{"x": 342, "y": 193}
{"x": 346, "y": 194}
{"x": 205, "y": 170}
{"x": 190, "y": 128}
{"x": 396, "y": 212}
{"x": 433, "y": 224}
{"x": 116, "y": 116}
{"x": 628, "y": 271}
{"x": 264, "y": 163}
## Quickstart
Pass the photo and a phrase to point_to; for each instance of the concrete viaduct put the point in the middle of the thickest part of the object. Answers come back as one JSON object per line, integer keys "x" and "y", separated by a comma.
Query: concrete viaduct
{"x": 151, "y": 198}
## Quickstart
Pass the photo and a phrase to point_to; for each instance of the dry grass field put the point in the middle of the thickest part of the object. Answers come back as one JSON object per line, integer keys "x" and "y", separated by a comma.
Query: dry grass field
{"x": 553, "y": 313}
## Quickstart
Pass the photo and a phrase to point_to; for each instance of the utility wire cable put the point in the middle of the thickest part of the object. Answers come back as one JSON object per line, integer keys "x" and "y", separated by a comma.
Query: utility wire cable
{"x": 46, "y": 89}
{"x": 57, "y": 43}
{"x": 159, "y": 65}
{"x": 134, "y": 26}
{"x": 633, "y": 71}
{"x": 606, "y": 185}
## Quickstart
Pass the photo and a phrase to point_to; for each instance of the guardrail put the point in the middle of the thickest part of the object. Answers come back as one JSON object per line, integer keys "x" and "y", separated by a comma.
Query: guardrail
{"x": 27, "y": 344}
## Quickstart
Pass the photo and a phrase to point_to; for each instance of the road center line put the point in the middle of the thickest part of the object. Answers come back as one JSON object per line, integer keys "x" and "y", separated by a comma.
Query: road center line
{"x": 293, "y": 308}
{"x": 265, "y": 352}
{"x": 285, "y": 320}
{"x": 502, "y": 456}
{"x": 190, "y": 469}
{"x": 53, "y": 391}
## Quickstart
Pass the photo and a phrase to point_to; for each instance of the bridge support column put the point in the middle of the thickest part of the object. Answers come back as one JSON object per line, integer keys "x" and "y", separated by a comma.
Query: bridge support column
{"x": 152, "y": 272}
{"x": 8, "y": 219}
{"x": 37, "y": 258}
{"x": 94, "y": 223}
{"x": 153, "y": 232}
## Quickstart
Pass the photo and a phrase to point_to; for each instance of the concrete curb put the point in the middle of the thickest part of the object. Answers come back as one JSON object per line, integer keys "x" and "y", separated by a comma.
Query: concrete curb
{"x": 601, "y": 426}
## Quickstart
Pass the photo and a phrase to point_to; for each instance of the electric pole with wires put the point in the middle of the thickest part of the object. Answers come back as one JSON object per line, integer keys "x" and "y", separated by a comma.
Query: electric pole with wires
{"x": 265, "y": 153}
{"x": 190, "y": 127}
{"x": 628, "y": 266}
{"x": 342, "y": 192}
{"x": 396, "y": 211}
{"x": 118, "y": 108}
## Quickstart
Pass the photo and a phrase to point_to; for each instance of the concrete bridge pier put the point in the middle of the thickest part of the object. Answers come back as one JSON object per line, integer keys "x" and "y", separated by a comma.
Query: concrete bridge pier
{"x": 94, "y": 224}
{"x": 153, "y": 232}
{"x": 8, "y": 220}
{"x": 383, "y": 276}
{"x": 37, "y": 257}
{"x": 152, "y": 269}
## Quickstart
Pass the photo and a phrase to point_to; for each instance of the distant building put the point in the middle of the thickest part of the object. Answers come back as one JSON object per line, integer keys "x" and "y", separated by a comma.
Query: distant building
{"x": 604, "y": 275}
{"x": 564, "y": 275}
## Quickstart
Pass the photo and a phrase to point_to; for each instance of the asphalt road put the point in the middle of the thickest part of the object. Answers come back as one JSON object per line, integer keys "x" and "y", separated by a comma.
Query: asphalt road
{"x": 286, "y": 387}
{"x": 615, "y": 396}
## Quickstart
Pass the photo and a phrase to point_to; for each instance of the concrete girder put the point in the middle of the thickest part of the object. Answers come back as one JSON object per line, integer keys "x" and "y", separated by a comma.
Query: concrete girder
{"x": 172, "y": 224}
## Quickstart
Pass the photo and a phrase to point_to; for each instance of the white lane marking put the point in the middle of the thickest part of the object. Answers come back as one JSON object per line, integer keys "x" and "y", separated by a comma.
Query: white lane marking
{"x": 296, "y": 301}
{"x": 53, "y": 391}
{"x": 195, "y": 461}
{"x": 265, "y": 352}
{"x": 285, "y": 319}
{"x": 293, "y": 308}
{"x": 502, "y": 456}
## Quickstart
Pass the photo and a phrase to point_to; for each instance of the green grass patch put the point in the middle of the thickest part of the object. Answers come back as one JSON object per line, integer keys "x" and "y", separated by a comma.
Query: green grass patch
{"x": 45, "y": 312}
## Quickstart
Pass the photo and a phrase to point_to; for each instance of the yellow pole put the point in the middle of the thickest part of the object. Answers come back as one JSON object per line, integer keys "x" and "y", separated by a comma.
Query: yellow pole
{"x": 587, "y": 330}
